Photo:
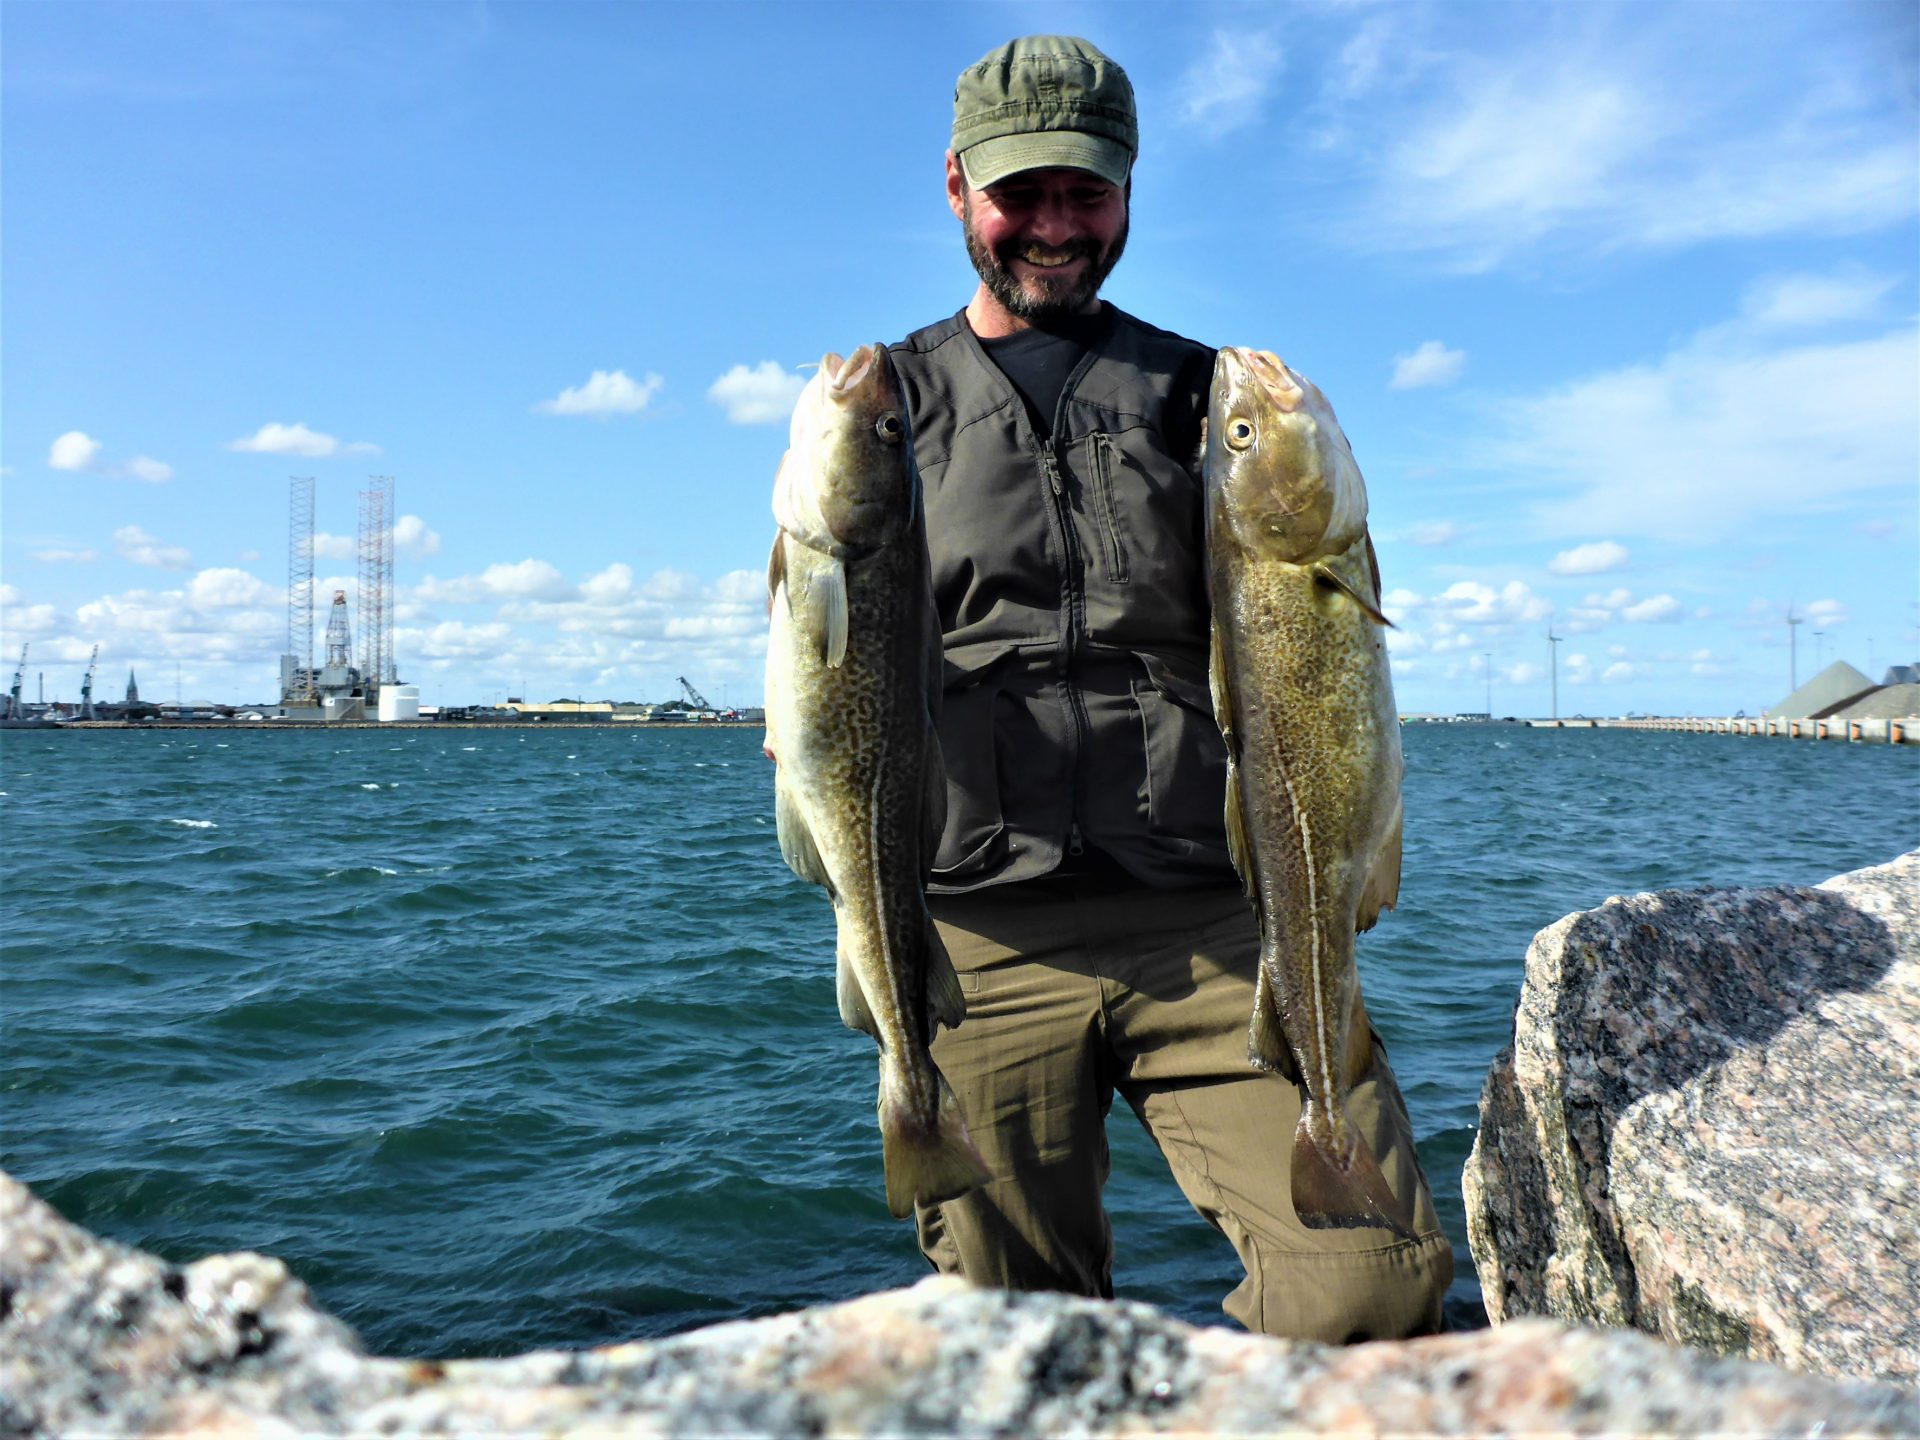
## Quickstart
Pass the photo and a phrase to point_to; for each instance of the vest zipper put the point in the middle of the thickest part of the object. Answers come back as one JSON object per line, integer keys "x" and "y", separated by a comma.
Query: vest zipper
{"x": 1100, "y": 453}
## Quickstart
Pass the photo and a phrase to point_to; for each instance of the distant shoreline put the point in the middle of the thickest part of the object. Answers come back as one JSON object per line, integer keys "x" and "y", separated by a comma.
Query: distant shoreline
{"x": 448, "y": 725}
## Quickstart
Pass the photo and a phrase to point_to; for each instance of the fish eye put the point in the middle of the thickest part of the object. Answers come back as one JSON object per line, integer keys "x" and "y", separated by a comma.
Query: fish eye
{"x": 1239, "y": 434}
{"x": 889, "y": 428}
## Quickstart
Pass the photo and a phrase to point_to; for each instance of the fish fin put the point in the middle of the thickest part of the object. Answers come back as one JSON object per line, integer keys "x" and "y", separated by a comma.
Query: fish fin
{"x": 1382, "y": 890}
{"x": 926, "y": 1166}
{"x": 833, "y": 582}
{"x": 796, "y": 840}
{"x": 818, "y": 603}
{"x": 1267, "y": 1047}
{"x": 1217, "y": 683}
{"x": 855, "y": 1013}
{"x": 945, "y": 1003}
{"x": 933, "y": 801}
{"x": 1327, "y": 575}
{"x": 1373, "y": 566}
{"x": 1358, "y": 1061}
{"x": 776, "y": 567}
{"x": 1238, "y": 851}
{"x": 1337, "y": 1184}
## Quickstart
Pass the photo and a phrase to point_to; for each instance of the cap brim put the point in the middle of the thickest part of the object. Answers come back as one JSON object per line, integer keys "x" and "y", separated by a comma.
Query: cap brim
{"x": 993, "y": 160}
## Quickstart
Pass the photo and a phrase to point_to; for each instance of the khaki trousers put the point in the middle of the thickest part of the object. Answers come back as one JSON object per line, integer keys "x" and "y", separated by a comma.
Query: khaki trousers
{"x": 1079, "y": 987}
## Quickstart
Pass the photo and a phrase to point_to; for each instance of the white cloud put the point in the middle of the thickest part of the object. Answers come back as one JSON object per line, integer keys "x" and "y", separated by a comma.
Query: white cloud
{"x": 75, "y": 450}
{"x": 607, "y": 392}
{"x": 1825, "y": 614}
{"x": 1878, "y": 529}
{"x": 410, "y": 533}
{"x": 1619, "y": 671}
{"x": 1654, "y": 609}
{"x": 334, "y": 547}
{"x": 1470, "y": 602}
{"x": 763, "y": 395}
{"x": 145, "y": 467}
{"x": 1611, "y": 142}
{"x": 1592, "y": 559}
{"x": 1432, "y": 364}
{"x": 1794, "y": 302}
{"x": 523, "y": 579}
{"x": 225, "y": 588}
{"x": 611, "y": 586}
{"x": 1434, "y": 532}
{"x": 65, "y": 557}
{"x": 137, "y": 545}
{"x": 274, "y": 438}
{"x": 1715, "y": 436}
{"x": 1226, "y": 88}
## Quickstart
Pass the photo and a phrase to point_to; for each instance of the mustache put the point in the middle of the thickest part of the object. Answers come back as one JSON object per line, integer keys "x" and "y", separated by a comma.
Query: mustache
{"x": 1008, "y": 251}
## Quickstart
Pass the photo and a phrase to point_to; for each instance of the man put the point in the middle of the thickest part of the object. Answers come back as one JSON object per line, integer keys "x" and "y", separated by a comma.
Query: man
{"x": 1082, "y": 885}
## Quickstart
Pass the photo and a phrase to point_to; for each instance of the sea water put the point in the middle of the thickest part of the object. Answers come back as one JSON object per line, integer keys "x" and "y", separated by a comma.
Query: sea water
{"x": 507, "y": 1038}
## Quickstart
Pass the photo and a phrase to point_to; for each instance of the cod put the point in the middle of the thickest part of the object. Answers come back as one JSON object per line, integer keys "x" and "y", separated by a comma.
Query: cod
{"x": 1304, "y": 700}
{"x": 853, "y": 671}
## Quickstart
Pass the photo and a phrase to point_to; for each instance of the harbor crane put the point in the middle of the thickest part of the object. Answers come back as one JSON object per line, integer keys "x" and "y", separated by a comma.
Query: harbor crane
{"x": 19, "y": 678}
{"x": 86, "y": 687}
{"x": 694, "y": 697}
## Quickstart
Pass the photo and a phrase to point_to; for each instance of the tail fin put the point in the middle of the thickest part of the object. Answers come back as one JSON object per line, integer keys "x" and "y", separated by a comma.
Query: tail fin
{"x": 1337, "y": 1183}
{"x": 926, "y": 1164}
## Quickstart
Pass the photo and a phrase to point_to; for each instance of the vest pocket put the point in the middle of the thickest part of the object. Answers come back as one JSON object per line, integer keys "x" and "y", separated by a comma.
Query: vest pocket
{"x": 975, "y": 833}
{"x": 1186, "y": 759}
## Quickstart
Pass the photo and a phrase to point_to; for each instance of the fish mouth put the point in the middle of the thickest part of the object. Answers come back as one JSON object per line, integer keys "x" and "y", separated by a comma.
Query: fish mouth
{"x": 1266, "y": 369}
{"x": 844, "y": 376}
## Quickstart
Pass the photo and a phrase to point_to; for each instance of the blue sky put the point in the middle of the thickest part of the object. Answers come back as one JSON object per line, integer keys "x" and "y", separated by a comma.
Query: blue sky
{"x": 1616, "y": 302}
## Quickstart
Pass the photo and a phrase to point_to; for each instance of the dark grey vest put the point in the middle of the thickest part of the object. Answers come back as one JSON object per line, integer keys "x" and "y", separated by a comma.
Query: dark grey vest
{"x": 1070, "y": 583}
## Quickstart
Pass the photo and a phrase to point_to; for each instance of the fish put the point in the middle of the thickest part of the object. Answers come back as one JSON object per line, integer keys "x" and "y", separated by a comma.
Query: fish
{"x": 853, "y": 682}
{"x": 1304, "y": 698}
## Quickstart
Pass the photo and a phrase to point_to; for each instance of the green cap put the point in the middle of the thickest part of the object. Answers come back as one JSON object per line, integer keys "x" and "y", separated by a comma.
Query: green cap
{"x": 1043, "y": 101}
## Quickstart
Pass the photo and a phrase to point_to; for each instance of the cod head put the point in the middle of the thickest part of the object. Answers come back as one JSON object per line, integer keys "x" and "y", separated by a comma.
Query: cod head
{"x": 1281, "y": 480}
{"x": 847, "y": 485}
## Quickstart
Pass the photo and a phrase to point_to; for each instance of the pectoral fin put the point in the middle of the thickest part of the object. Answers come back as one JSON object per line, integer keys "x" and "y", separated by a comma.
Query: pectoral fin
{"x": 1327, "y": 574}
{"x": 1238, "y": 851}
{"x": 817, "y": 596}
{"x": 776, "y": 568}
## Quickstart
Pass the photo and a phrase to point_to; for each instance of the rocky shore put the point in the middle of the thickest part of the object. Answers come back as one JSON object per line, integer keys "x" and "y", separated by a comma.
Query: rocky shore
{"x": 1707, "y": 1126}
{"x": 100, "y": 1339}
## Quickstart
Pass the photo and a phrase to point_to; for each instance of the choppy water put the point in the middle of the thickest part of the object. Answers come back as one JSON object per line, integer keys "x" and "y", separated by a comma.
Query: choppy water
{"x": 505, "y": 1040}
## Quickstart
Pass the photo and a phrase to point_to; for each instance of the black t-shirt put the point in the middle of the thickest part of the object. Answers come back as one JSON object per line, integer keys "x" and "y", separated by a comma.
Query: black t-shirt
{"x": 1039, "y": 361}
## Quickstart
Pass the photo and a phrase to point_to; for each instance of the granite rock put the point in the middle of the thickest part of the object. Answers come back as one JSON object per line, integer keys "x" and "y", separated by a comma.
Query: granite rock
{"x": 1708, "y": 1125}
{"x": 100, "y": 1339}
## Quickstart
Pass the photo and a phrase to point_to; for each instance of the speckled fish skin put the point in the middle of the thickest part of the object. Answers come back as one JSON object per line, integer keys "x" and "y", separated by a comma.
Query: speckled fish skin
{"x": 1303, "y": 695}
{"x": 853, "y": 671}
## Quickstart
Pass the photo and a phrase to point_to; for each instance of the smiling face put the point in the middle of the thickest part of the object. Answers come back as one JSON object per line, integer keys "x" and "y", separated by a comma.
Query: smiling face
{"x": 1042, "y": 241}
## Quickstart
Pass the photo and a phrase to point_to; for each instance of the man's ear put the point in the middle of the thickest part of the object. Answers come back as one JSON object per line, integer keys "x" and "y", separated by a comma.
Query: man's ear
{"x": 956, "y": 187}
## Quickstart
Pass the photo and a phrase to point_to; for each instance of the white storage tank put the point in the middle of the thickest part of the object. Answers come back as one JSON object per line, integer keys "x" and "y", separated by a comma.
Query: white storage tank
{"x": 399, "y": 702}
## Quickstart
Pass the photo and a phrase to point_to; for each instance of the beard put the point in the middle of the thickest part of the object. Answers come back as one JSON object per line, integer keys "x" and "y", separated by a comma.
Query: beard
{"x": 1042, "y": 299}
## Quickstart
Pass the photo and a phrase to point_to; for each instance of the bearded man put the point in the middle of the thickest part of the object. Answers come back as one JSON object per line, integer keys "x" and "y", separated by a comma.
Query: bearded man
{"x": 1082, "y": 884}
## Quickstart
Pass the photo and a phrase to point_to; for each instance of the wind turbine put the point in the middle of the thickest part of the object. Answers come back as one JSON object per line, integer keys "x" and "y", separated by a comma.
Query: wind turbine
{"x": 1793, "y": 650}
{"x": 1553, "y": 649}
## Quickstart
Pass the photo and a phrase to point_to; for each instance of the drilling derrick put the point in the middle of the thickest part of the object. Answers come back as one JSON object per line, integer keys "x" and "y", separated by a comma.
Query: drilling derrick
{"x": 376, "y": 583}
{"x": 339, "y": 641}
{"x": 296, "y": 669}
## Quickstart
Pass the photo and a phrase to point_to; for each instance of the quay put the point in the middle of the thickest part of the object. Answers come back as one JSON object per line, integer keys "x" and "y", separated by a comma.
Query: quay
{"x": 1858, "y": 731}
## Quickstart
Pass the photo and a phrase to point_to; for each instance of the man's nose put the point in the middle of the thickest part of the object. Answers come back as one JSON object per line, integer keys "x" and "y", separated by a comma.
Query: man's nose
{"x": 1054, "y": 222}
